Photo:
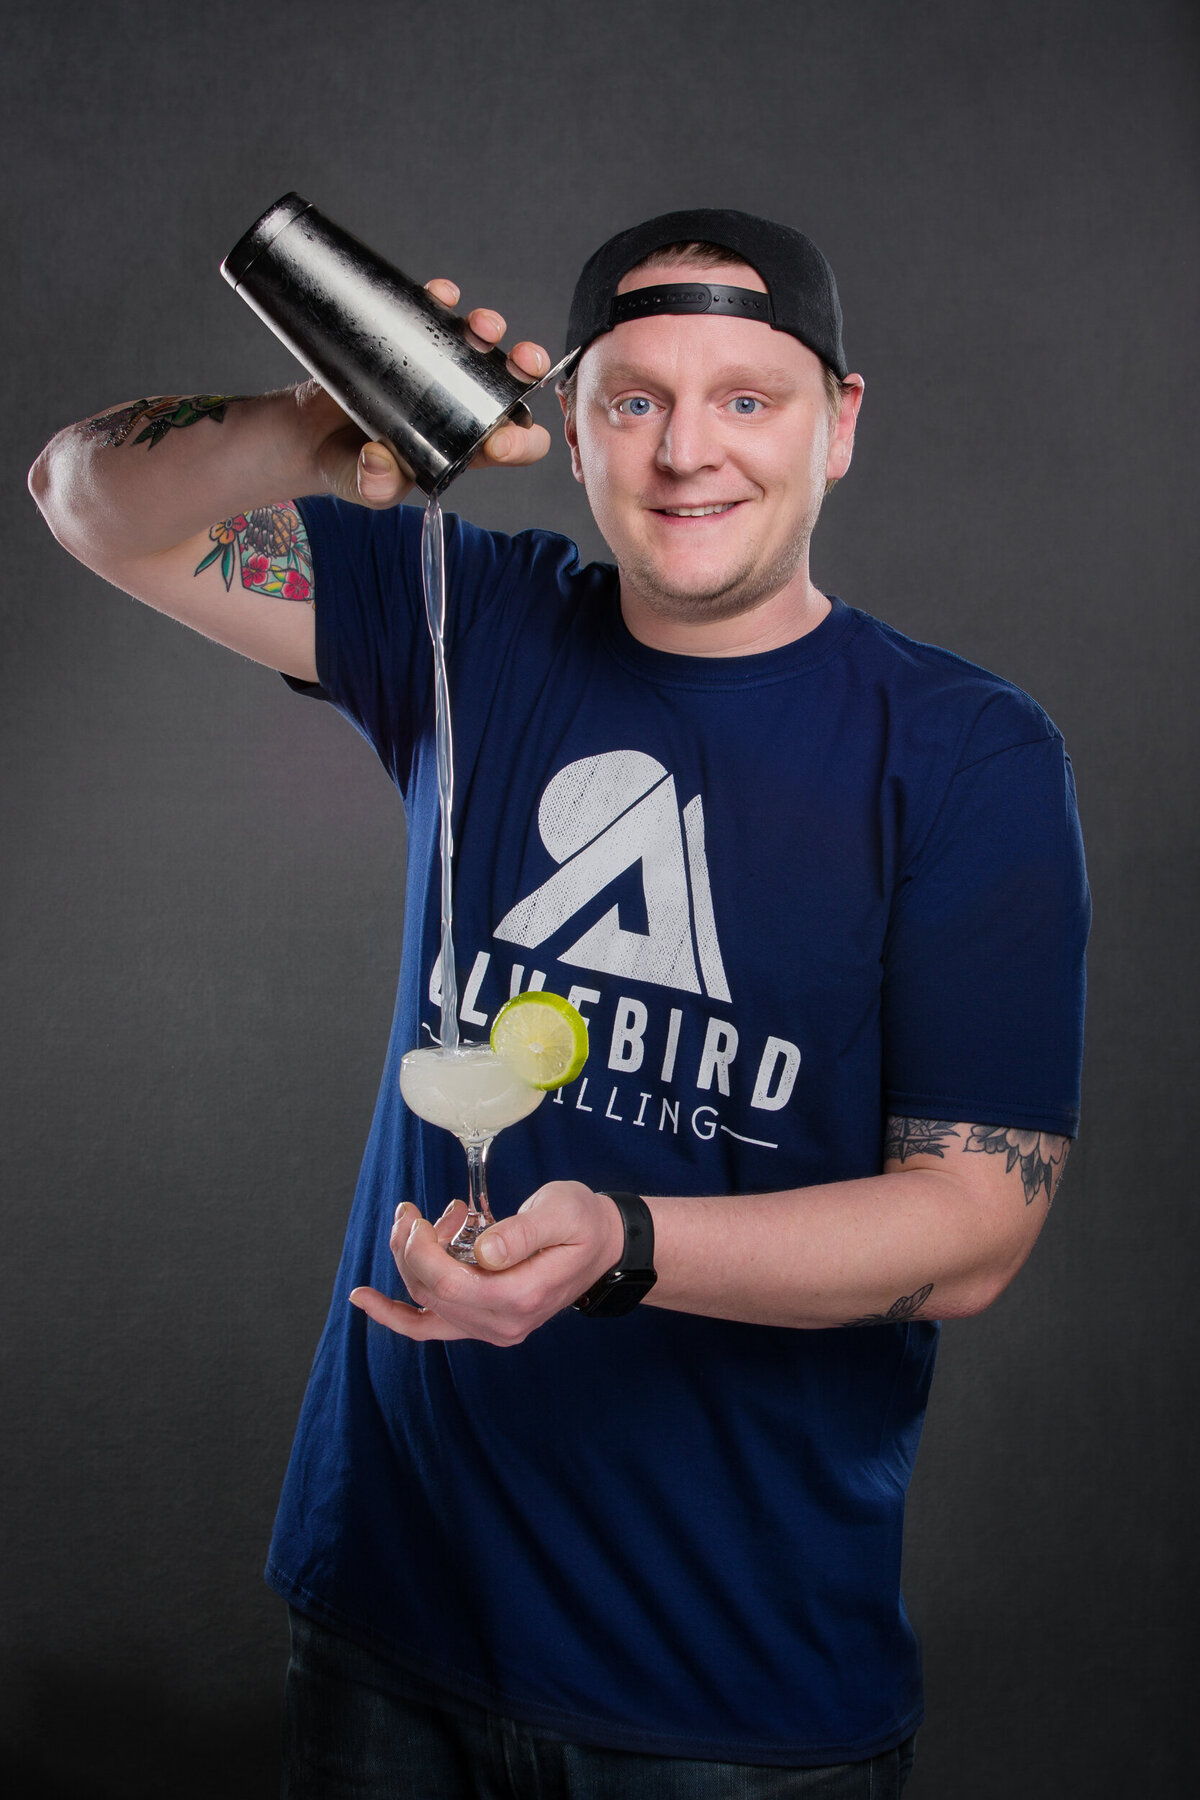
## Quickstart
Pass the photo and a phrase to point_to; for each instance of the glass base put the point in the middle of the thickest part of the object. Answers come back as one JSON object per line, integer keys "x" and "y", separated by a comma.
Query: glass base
{"x": 462, "y": 1244}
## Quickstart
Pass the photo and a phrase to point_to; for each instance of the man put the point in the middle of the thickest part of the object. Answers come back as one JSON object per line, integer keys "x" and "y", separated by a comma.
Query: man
{"x": 804, "y": 876}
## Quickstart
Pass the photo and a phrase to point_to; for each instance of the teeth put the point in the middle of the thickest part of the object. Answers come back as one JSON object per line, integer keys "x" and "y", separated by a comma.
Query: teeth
{"x": 697, "y": 512}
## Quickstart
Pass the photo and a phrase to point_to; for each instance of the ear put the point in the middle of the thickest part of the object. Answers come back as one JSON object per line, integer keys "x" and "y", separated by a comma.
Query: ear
{"x": 841, "y": 441}
{"x": 572, "y": 436}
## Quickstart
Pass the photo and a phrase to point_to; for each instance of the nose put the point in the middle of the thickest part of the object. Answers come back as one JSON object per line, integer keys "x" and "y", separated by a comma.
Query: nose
{"x": 691, "y": 440}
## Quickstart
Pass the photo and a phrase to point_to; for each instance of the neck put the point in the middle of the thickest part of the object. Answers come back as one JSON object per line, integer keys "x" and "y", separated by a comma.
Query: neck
{"x": 770, "y": 623}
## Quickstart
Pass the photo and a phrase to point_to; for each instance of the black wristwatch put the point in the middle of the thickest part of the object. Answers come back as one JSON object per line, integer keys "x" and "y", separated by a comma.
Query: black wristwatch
{"x": 619, "y": 1291}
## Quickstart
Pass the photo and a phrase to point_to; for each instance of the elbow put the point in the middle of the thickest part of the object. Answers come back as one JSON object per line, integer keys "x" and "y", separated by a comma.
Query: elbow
{"x": 984, "y": 1286}
{"x": 974, "y": 1297}
{"x": 54, "y": 483}
{"x": 39, "y": 480}
{"x": 46, "y": 485}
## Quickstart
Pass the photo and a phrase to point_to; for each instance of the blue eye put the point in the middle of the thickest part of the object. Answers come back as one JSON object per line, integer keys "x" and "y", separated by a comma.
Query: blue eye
{"x": 637, "y": 406}
{"x": 746, "y": 406}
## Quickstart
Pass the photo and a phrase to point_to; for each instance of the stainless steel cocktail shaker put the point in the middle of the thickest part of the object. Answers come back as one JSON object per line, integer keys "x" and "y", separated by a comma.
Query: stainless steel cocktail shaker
{"x": 405, "y": 368}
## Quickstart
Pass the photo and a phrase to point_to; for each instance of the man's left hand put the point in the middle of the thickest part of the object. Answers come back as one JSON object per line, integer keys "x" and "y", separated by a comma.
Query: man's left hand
{"x": 564, "y": 1238}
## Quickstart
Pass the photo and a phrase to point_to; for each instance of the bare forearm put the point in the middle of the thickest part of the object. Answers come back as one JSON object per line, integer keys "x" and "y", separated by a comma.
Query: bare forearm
{"x": 916, "y": 1243}
{"x": 939, "y": 1234}
{"x": 130, "y": 484}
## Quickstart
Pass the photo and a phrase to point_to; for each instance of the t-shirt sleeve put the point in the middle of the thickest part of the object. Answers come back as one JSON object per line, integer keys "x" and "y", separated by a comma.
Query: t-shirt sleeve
{"x": 374, "y": 659}
{"x": 984, "y": 965}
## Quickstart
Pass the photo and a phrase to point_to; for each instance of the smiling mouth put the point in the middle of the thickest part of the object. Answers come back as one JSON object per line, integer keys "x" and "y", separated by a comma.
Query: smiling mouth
{"x": 696, "y": 512}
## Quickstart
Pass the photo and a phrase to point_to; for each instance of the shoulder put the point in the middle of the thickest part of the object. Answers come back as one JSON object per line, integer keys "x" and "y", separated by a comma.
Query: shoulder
{"x": 969, "y": 709}
{"x": 382, "y": 551}
{"x": 544, "y": 561}
{"x": 360, "y": 532}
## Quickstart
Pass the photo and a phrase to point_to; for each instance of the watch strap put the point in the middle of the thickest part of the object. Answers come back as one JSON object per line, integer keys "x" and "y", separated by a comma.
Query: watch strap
{"x": 620, "y": 1289}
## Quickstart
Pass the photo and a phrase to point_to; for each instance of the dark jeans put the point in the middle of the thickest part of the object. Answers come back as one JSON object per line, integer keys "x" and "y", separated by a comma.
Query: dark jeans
{"x": 359, "y": 1728}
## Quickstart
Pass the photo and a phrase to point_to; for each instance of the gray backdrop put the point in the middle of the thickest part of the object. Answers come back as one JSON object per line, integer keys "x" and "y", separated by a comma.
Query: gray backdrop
{"x": 202, "y": 911}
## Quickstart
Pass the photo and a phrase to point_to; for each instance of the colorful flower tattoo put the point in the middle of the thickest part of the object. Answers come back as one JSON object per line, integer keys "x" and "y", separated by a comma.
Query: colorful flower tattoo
{"x": 271, "y": 547}
{"x": 163, "y": 415}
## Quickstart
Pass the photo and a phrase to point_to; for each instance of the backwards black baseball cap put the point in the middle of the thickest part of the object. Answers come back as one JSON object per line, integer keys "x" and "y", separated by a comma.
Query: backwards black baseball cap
{"x": 801, "y": 297}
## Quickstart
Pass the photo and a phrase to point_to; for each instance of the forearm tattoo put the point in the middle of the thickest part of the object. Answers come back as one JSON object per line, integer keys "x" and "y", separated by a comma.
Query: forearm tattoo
{"x": 170, "y": 412}
{"x": 270, "y": 547}
{"x": 906, "y": 1307}
{"x": 1040, "y": 1155}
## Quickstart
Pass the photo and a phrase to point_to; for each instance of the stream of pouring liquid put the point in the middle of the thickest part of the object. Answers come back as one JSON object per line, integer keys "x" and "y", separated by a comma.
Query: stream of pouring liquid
{"x": 433, "y": 575}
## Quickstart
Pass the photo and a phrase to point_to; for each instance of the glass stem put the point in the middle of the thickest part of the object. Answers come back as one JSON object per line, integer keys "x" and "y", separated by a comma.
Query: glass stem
{"x": 479, "y": 1213}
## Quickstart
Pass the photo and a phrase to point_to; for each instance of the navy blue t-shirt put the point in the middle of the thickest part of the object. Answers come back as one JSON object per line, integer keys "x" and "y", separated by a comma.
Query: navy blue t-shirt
{"x": 791, "y": 892}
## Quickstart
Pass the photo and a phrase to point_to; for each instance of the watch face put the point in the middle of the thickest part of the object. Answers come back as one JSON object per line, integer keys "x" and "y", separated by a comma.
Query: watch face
{"x": 616, "y": 1293}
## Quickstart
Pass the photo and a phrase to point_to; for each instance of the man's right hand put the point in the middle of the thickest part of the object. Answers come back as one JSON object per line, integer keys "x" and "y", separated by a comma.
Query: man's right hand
{"x": 369, "y": 474}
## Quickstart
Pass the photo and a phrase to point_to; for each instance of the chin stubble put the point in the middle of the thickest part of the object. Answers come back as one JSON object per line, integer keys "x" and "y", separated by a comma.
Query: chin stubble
{"x": 744, "y": 590}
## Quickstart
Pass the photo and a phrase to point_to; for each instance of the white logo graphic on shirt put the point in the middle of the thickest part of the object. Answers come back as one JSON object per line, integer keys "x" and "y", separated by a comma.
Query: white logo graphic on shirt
{"x": 598, "y": 818}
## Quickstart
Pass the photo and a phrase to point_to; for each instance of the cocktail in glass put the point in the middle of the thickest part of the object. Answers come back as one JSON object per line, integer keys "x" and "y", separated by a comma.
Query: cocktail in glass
{"x": 474, "y": 1093}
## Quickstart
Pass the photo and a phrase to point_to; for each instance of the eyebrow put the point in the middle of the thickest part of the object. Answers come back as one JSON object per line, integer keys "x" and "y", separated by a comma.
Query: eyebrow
{"x": 735, "y": 375}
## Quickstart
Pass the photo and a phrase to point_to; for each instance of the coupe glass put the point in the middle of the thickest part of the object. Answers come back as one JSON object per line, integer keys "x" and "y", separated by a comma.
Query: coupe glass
{"x": 473, "y": 1093}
